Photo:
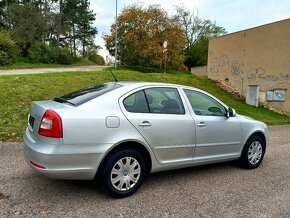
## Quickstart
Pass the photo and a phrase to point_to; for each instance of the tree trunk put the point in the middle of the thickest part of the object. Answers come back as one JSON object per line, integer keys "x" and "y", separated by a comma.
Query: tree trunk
{"x": 60, "y": 23}
{"x": 84, "y": 47}
{"x": 70, "y": 43}
{"x": 74, "y": 40}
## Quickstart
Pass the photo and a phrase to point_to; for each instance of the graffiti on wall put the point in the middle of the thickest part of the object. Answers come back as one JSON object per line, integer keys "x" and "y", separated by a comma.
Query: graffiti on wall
{"x": 260, "y": 74}
{"x": 220, "y": 63}
{"x": 236, "y": 69}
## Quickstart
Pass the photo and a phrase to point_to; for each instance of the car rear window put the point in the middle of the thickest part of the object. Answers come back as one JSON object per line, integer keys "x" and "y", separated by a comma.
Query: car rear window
{"x": 82, "y": 96}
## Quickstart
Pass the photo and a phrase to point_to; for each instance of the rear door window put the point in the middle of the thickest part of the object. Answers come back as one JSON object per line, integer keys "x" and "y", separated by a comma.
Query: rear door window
{"x": 136, "y": 103}
{"x": 160, "y": 100}
{"x": 164, "y": 101}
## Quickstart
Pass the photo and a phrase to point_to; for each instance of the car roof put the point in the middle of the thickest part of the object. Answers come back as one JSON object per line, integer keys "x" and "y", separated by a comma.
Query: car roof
{"x": 138, "y": 84}
{"x": 141, "y": 83}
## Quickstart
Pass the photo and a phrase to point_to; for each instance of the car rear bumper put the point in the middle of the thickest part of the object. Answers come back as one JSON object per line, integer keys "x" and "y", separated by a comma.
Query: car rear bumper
{"x": 60, "y": 161}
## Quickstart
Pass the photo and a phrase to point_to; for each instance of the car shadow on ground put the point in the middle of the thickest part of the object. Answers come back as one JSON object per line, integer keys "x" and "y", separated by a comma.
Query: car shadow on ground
{"x": 153, "y": 181}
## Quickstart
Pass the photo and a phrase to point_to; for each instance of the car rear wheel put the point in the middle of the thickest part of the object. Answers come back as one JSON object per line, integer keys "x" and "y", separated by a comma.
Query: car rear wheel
{"x": 123, "y": 173}
{"x": 253, "y": 152}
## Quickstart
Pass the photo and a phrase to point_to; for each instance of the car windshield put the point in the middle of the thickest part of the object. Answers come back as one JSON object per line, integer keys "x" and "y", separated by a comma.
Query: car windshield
{"x": 84, "y": 95}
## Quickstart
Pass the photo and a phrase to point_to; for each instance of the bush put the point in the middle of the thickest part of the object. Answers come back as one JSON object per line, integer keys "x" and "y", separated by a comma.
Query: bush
{"x": 96, "y": 58}
{"x": 42, "y": 53}
{"x": 8, "y": 49}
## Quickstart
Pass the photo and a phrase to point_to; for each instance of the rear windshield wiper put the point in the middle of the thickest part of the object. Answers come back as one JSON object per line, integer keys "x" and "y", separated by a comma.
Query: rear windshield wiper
{"x": 62, "y": 100}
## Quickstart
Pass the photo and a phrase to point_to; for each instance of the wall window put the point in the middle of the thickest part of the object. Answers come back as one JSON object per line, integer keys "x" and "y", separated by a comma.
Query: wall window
{"x": 204, "y": 105}
{"x": 276, "y": 95}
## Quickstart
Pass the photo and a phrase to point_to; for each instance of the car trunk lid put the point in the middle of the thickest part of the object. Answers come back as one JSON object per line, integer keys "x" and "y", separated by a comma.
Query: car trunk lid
{"x": 36, "y": 113}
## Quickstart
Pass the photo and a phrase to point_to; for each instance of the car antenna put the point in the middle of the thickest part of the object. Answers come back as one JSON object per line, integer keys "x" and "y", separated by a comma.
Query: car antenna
{"x": 113, "y": 76}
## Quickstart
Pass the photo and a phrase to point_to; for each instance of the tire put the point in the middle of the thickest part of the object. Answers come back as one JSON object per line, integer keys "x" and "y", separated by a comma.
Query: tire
{"x": 122, "y": 173}
{"x": 253, "y": 152}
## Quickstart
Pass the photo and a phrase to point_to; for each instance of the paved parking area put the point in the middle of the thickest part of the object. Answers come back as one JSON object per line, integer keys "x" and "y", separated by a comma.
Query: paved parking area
{"x": 222, "y": 190}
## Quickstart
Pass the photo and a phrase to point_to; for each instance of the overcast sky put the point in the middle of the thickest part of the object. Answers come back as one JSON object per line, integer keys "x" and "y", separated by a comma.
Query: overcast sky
{"x": 233, "y": 15}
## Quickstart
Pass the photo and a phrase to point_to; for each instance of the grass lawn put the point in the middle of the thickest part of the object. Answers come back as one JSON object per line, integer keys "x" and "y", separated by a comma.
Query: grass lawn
{"x": 18, "y": 91}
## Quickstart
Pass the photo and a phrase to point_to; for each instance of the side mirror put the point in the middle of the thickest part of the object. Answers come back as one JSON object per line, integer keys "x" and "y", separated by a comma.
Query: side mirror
{"x": 231, "y": 112}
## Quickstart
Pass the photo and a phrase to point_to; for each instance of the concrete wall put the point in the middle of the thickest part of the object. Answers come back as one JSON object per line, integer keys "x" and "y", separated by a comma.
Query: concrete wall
{"x": 257, "y": 56}
{"x": 199, "y": 71}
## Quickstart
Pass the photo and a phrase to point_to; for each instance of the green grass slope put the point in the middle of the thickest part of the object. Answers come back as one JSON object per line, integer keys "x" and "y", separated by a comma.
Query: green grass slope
{"x": 18, "y": 91}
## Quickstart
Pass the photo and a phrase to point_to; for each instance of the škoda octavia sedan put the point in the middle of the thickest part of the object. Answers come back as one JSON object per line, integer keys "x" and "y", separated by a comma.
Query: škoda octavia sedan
{"x": 119, "y": 132}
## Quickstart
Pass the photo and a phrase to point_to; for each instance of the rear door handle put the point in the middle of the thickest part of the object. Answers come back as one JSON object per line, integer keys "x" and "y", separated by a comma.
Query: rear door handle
{"x": 202, "y": 124}
{"x": 145, "y": 124}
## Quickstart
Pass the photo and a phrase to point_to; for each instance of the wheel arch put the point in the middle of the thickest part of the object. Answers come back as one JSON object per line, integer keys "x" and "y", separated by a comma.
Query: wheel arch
{"x": 133, "y": 145}
{"x": 260, "y": 134}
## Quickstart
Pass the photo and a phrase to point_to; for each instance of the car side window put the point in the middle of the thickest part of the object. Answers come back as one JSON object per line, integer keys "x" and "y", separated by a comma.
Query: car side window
{"x": 155, "y": 100}
{"x": 204, "y": 105}
{"x": 164, "y": 100}
{"x": 136, "y": 103}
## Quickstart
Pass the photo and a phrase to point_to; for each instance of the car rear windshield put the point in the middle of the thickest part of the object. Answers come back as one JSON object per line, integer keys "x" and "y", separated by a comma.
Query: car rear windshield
{"x": 84, "y": 95}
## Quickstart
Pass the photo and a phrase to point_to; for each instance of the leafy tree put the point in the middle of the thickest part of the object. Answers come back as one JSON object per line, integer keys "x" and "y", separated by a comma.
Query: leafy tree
{"x": 58, "y": 23}
{"x": 141, "y": 32}
{"x": 96, "y": 58}
{"x": 197, "y": 32}
{"x": 78, "y": 17}
{"x": 5, "y": 14}
{"x": 198, "y": 53}
{"x": 86, "y": 31}
{"x": 8, "y": 49}
{"x": 28, "y": 26}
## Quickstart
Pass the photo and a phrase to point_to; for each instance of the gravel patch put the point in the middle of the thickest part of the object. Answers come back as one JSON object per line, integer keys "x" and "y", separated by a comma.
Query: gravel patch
{"x": 220, "y": 190}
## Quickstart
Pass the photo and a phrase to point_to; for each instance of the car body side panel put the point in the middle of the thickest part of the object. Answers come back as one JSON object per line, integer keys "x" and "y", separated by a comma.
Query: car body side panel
{"x": 216, "y": 136}
{"x": 86, "y": 139}
{"x": 220, "y": 137}
{"x": 171, "y": 136}
{"x": 250, "y": 127}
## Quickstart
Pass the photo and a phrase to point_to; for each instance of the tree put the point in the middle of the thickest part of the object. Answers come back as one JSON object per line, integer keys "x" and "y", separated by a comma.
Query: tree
{"x": 5, "y": 14}
{"x": 141, "y": 32}
{"x": 78, "y": 17}
{"x": 8, "y": 49}
{"x": 28, "y": 26}
{"x": 59, "y": 23}
{"x": 86, "y": 31}
{"x": 94, "y": 56}
{"x": 197, "y": 32}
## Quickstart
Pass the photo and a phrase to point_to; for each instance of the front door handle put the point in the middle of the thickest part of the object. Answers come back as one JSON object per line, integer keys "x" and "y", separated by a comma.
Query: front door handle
{"x": 201, "y": 124}
{"x": 145, "y": 124}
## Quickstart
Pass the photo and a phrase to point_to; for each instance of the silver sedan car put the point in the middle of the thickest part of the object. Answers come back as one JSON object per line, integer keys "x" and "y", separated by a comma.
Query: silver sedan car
{"x": 119, "y": 132}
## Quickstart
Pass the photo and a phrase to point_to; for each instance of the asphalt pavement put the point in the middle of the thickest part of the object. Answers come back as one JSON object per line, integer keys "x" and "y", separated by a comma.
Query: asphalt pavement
{"x": 220, "y": 190}
{"x": 51, "y": 70}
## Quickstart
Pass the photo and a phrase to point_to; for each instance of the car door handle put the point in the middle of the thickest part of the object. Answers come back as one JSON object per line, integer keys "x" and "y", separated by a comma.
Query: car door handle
{"x": 145, "y": 124}
{"x": 201, "y": 124}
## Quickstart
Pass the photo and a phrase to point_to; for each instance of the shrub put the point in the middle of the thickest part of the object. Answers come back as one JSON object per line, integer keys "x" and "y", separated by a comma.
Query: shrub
{"x": 8, "y": 49}
{"x": 38, "y": 53}
{"x": 60, "y": 55}
{"x": 96, "y": 58}
{"x": 43, "y": 53}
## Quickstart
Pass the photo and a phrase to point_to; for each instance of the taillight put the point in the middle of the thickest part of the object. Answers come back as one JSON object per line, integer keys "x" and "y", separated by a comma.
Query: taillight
{"x": 50, "y": 125}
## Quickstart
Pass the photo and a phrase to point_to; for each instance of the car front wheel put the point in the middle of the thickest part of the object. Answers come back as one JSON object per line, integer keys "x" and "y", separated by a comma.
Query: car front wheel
{"x": 253, "y": 152}
{"x": 123, "y": 173}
